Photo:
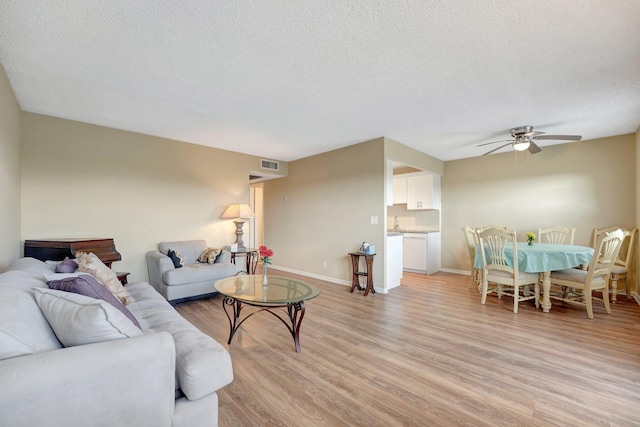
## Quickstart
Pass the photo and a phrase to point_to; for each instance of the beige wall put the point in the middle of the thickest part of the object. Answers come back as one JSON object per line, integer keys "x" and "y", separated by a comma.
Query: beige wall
{"x": 583, "y": 184}
{"x": 323, "y": 209}
{"x": 9, "y": 173}
{"x": 401, "y": 153}
{"x": 81, "y": 180}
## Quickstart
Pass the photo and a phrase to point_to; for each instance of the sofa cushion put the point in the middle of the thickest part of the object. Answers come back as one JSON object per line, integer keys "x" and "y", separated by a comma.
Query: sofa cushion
{"x": 33, "y": 267}
{"x": 86, "y": 284}
{"x": 225, "y": 256}
{"x": 23, "y": 327}
{"x": 202, "y": 364}
{"x": 195, "y": 273}
{"x": 90, "y": 263}
{"x": 79, "y": 319}
{"x": 189, "y": 249}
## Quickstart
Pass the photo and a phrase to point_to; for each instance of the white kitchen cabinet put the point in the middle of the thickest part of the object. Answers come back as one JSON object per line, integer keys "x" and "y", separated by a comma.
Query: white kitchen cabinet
{"x": 399, "y": 190}
{"x": 414, "y": 252}
{"x": 419, "y": 192}
{"x": 421, "y": 252}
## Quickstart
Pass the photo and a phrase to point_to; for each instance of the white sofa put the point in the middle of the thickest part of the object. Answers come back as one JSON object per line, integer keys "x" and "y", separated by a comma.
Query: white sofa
{"x": 194, "y": 279}
{"x": 167, "y": 376}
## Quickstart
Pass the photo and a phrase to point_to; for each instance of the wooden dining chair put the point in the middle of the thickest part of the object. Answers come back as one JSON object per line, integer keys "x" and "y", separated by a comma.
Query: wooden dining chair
{"x": 578, "y": 285}
{"x": 471, "y": 238}
{"x": 622, "y": 263}
{"x": 556, "y": 235}
{"x": 495, "y": 270}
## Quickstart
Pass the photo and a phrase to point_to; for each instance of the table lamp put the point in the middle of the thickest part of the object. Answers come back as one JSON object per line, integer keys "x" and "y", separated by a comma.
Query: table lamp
{"x": 239, "y": 211}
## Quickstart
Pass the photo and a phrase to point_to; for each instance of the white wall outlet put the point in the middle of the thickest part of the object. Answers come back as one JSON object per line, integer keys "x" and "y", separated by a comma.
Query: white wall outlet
{"x": 324, "y": 264}
{"x": 374, "y": 219}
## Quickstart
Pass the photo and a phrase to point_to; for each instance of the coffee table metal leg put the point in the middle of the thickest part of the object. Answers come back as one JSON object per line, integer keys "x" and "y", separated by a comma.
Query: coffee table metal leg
{"x": 233, "y": 324}
{"x": 294, "y": 310}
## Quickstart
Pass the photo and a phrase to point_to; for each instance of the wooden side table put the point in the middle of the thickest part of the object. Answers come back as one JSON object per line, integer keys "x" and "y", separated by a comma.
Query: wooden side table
{"x": 355, "y": 264}
{"x": 251, "y": 259}
{"x": 122, "y": 277}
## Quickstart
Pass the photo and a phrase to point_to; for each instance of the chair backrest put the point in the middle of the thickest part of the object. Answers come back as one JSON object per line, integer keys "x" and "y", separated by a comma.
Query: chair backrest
{"x": 557, "y": 235}
{"x": 607, "y": 248}
{"x": 624, "y": 257}
{"x": 492, "y": 242}
{"x": 470, "y": 236}
{"x": 484, "y": 227}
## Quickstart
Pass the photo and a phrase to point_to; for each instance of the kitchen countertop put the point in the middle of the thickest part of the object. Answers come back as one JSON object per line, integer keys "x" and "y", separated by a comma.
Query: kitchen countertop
{"x": 401, "y": 231}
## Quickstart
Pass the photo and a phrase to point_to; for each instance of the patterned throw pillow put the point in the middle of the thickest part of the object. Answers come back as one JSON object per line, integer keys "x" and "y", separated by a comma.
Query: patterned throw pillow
{"x": 177, "y": 259}
{"x": 210, "y": 255}
{"x": 90, "y": 263}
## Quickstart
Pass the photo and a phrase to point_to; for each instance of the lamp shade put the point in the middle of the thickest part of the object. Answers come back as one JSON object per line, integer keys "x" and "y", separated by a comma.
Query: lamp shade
{"x": 237, "y": 210}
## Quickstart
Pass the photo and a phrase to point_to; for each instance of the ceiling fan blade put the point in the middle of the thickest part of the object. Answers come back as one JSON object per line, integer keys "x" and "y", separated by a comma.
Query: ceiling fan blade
{"x": 496, "y": 149}
{"x": 494, "y": 142}
{"x": 532, "y": 134}
{"x": 533, "y": 148}
{"x": 561, "y": 137}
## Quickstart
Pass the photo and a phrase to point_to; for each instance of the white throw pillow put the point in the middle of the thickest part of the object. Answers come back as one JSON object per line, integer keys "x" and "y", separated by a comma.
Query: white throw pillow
{"x": 78, "y": 319}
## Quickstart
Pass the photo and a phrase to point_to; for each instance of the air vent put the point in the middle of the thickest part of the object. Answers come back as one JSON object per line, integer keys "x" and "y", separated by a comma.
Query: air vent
{"x": 269, "y": 164}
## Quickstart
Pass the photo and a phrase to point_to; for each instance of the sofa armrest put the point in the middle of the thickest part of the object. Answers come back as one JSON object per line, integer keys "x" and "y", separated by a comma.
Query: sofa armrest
{"x": 158, "y": 264}
{"x": 126, "y": 382}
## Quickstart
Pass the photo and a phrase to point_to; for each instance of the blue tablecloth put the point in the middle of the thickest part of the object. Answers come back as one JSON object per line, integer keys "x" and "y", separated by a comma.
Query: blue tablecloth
{"x": 541, "y": 257}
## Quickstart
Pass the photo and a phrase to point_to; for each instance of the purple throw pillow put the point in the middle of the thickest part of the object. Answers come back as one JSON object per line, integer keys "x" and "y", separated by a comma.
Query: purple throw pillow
{"x": 86, "y": 284}
{"x": 67, "y": 266}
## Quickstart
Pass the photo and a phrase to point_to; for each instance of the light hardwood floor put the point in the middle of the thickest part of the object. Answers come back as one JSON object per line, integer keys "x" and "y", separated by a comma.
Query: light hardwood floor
{"x": 429, "y": 354}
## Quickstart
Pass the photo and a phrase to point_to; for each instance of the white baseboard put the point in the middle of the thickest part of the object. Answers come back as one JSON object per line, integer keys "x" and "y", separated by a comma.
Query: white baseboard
{"x": 449, "y": 270}
{"x": 320, "y": 277}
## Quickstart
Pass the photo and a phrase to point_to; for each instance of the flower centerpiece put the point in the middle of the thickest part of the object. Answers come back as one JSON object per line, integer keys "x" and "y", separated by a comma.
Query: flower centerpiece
{"x": 265, "y": 254}
{"x": 530, "y": 238}
{"x": 265, "y": 257}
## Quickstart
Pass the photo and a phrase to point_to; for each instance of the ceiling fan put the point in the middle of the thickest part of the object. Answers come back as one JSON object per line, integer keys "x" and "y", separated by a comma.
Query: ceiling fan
{"x": 524, "y": 137}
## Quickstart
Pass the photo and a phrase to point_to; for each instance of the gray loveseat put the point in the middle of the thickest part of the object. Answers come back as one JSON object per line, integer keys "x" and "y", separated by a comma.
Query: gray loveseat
{"x": 194, "y": 278}
{"x": 166, "y": 376}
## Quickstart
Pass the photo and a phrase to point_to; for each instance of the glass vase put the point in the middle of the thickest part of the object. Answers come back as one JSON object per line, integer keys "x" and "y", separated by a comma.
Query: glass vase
{"x": 265, "y": 281}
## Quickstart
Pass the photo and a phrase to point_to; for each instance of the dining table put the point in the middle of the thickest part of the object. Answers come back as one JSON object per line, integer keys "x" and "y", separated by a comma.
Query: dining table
{"x": 543, "y": 258}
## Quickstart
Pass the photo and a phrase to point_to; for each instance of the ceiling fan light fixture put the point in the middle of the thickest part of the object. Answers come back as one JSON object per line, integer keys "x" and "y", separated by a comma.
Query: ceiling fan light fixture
{"x": 521, "y": 144}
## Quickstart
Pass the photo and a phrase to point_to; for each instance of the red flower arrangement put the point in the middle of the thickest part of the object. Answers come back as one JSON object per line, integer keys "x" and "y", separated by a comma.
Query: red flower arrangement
{"x": 265, "y": 254}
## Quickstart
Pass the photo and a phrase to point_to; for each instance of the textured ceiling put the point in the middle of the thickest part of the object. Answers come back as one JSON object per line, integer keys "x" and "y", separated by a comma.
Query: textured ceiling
{"x": 287, "y": 79}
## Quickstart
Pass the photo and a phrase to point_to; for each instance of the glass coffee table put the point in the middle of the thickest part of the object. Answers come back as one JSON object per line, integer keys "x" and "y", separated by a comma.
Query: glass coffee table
{"x": 280, "y": 292}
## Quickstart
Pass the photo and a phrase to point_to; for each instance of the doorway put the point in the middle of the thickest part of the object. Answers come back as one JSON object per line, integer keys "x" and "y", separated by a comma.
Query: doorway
{"x": 256, "y": 225}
